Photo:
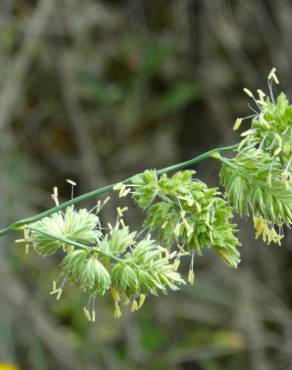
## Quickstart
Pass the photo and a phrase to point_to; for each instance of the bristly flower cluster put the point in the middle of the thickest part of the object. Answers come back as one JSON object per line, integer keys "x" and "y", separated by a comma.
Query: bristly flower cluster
{"x": 79, "y": 226}
{"x": 255, "y": 183}
{"x": 187, "y": 213}
{"x": 259, "y": 179}
{"x": 271, "y": 129}
{"x": 132, "y": 268}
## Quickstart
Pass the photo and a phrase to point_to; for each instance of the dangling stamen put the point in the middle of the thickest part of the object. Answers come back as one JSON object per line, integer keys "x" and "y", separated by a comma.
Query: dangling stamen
{"x": 86, "y": 313}
{"x": 55, "y": 195}
{"x": 57, "y": 291}
{"x": 261, "y": 94}
{"x": 142, "y": 298}
{"x": 191, "y": 276}
{"x": 250, "y": 94}
{"x": 93, "y": 310}
{"x": 134, "y": 306}
{"x": 176, "y": 262}
{"x": 99, "y": 205}
{"x": 73, "y": 184}
{"x": 121, "y": 211}
{"x": 272, "y": 76}
{"x": 237, "y": 124}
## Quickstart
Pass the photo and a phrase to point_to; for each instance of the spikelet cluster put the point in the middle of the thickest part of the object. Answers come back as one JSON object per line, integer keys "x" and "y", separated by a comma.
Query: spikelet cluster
{"x": 97, "y": 261}
{"x": 258, "y": 180}
{"x": 256, "y": 184}
{"x": 187, "y": 213}
{"x": 80, "y": 226}
{"x": 271, "y": 129}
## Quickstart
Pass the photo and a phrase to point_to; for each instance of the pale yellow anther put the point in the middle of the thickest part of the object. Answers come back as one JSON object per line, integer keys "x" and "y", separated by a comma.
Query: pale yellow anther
{"x": 98, "y": 206}
{"x": 122, "y": 222}
{"x": 183, "y": 252}
{"x": 55, "y": 195}
{"x": 246, "y": 133}
{"x": 189, "y": 200}
{"x": 56, "y": 290}
{"x": 117, "y": 311}
{"x": 26, "y": 234}
{"x": 115, "y": 294}
{"x": 186, "y": 224}
{"x": 124, "y": 193}
{"x": 262, "y": 102}
{"x": 170, "y": 255}
{"x": 237, "y": 124}
{"x": 92, "y": 316}
{"x": 142, "y": 298}
{"x": 248, "y": 92}
{"x": 19, "y": 241}
{"x": 119, "y": 186}
{"x": 191, "y": 277}
{"x": 86, "y": 314}
{"x": 176, "y": 264}
{"x": 107, "y": 199}
{"x": 272, "y": 76}
{"x": 121, "y": 211}
{"x": 177, "y": 230}
{"x": 267, "y": 232}
{"x": 164, "y": 224}
{"x": 261, "y": 94}
{"x": 134, "y": 306}
{"x": 71, "y": 182}
{"x": 59, "y": 293}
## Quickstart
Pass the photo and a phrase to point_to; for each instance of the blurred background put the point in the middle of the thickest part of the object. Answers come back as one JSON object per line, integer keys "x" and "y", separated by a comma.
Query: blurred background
{"x": 96, "y": 91}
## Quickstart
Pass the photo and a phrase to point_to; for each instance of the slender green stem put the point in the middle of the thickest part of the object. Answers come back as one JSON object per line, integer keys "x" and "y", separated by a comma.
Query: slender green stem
{"x": 19, "y": 224}
{"x": 76, "y": 244}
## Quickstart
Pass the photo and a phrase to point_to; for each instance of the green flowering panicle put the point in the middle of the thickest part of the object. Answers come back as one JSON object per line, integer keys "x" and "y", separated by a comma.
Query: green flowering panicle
{"x": 256, "y": 183}
{"x": 133, "y": 271}
{"x": 77, "y": 225}
{"x": 181, "y": 211}
{"x": 146, "y": 269}
{"x": 97, "y": 261}
{"x": 187, "y": 211}
{"x": 259, "y": 179}
{"x": 271, "y": 126}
